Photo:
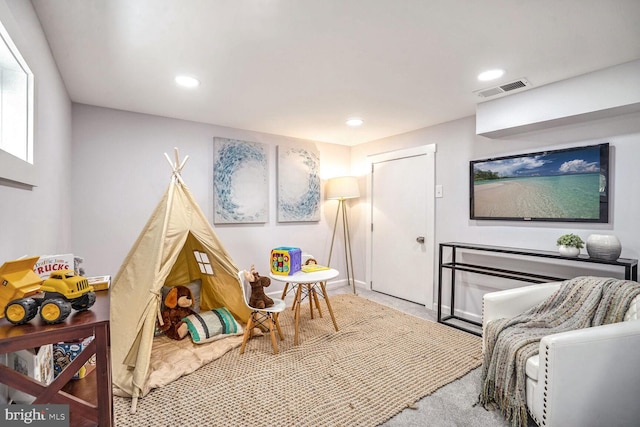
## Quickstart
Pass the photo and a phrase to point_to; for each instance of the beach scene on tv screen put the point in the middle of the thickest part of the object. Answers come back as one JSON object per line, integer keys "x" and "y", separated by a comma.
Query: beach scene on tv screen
{"x": 562, "y": 185}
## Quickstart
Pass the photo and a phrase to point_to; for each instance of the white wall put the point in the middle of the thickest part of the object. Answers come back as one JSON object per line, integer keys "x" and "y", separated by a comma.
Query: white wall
{"x": 37, "y": 221}
{"x": 120, "y": 174}
{"x": 457, "y": 144}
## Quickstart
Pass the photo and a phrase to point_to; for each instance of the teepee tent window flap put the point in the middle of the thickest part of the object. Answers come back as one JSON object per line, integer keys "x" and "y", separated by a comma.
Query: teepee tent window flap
{"x": 203, "y": 262}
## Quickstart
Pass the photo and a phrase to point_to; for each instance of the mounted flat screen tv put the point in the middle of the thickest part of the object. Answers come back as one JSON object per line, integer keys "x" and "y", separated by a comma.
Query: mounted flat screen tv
{"x": 568, "y": 185}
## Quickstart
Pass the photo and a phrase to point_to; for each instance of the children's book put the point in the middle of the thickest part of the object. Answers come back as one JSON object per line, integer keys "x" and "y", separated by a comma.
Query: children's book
{"x": 310, "y": 268}
{"x": 100, "y": 283}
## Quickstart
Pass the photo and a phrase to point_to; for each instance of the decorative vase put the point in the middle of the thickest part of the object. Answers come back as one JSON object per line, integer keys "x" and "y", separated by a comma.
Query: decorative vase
{"x": 570, "y": 251}
{"x": 604, "y": 246}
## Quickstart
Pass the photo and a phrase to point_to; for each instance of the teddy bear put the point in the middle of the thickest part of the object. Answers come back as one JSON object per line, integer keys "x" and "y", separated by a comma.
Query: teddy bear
{"x": 258, "y": 298}
{"x": 178, "y": 303}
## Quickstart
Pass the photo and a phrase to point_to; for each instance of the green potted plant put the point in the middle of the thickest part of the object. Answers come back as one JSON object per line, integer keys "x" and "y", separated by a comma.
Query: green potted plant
{"x": 570, "y": 244}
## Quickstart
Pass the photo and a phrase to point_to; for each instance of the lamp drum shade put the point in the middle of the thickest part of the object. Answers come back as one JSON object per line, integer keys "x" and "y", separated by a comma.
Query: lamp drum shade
{"x": 343, "y": 187}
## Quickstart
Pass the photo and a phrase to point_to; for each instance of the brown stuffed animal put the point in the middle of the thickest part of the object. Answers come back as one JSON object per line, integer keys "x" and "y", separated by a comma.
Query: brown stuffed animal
{"x": 258, "y": 298}
{"x": 178, "y": 303}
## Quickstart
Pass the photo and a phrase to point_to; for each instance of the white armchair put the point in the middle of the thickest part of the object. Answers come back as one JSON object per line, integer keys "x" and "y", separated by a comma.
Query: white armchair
{"x": 586, "y": 377}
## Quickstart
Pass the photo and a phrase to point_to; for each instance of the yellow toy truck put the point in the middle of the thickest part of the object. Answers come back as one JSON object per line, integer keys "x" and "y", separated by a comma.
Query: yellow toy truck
{"x": 22, "y": 292}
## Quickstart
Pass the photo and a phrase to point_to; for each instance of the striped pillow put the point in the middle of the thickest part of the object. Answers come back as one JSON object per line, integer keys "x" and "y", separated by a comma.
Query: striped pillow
{"x": 212, "y": 325}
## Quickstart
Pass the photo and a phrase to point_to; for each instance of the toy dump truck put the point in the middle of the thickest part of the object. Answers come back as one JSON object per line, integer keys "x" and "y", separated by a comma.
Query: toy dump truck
{"x": 22, "y": 292}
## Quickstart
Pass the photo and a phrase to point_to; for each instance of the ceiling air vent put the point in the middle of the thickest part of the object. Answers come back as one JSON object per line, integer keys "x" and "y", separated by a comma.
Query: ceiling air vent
{"x": 502, "y": 89}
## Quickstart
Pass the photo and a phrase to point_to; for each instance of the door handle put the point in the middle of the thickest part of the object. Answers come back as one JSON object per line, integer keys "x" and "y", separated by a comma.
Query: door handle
{"x": 420, "y": 239}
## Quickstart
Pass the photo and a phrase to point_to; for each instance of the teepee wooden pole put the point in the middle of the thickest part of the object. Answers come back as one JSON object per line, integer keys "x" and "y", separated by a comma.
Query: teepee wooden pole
{"x": 177, "y": 166}
{"x": 166, "y": 156}
{"x": 184, "y": 161}
{"x": 176, "y": 154}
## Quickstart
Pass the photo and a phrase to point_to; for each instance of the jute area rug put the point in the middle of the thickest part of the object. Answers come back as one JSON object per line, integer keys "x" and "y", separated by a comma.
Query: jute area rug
{"x": 379, "y": 362}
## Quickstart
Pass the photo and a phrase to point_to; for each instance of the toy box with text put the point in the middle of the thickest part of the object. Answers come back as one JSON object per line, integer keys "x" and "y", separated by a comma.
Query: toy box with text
{"x": 65, "y": 352}
{"x": 47, "y": 264}
{"x": 36, "y": 363}
{"x": 286, "y": 260}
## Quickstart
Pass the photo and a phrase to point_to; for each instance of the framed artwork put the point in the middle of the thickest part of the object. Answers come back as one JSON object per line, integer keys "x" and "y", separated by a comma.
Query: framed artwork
{"x": 298, "y": 184}
{"x": 240, "y": 182}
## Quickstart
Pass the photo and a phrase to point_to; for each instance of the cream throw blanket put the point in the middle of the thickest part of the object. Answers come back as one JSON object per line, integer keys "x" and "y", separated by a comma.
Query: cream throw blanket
{"x": 578, "y": 303}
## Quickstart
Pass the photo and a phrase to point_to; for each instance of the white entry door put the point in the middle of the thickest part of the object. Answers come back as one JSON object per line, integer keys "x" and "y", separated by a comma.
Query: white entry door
{"x": 402, "y": 225}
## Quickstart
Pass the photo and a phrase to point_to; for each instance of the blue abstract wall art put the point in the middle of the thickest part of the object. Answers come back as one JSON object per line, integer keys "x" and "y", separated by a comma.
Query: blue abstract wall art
{"x": 298, "y": 184}
{"x": 240, "y": 181}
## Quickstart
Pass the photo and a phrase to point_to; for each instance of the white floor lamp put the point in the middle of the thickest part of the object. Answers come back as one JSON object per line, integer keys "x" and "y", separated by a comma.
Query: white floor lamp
{"x": 341, "y": 189}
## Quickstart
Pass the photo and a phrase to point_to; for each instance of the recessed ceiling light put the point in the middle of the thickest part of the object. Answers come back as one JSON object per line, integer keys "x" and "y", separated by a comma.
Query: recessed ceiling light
{"x": 354, "y": 122}
{"x": 490, "y": 75}
{"x": 187, "y": 81}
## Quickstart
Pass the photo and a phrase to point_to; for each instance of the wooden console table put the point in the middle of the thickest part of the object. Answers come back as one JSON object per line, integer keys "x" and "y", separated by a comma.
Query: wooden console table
{"x": 630, "y": 267}
{"x": 90, "y": 399}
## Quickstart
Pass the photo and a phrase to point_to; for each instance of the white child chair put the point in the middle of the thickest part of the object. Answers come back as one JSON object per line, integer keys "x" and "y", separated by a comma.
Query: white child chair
{"x": 262, "y": 317}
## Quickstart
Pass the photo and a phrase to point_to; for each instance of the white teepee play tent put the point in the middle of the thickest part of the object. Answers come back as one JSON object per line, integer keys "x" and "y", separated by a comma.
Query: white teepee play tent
{"x": 176, "y": 246}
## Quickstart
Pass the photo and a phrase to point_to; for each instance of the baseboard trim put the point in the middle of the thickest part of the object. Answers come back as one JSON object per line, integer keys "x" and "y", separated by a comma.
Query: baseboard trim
{"x": 461, "y": 313}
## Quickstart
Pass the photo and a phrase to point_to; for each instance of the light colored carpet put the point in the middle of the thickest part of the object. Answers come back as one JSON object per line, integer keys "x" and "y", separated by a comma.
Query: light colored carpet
{"x": 379, "y": 362}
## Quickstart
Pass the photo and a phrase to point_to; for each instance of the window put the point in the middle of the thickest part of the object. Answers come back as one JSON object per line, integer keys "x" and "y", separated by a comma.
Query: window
{"x": 203, "y": 262}
{"x": 16, "y": 113}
